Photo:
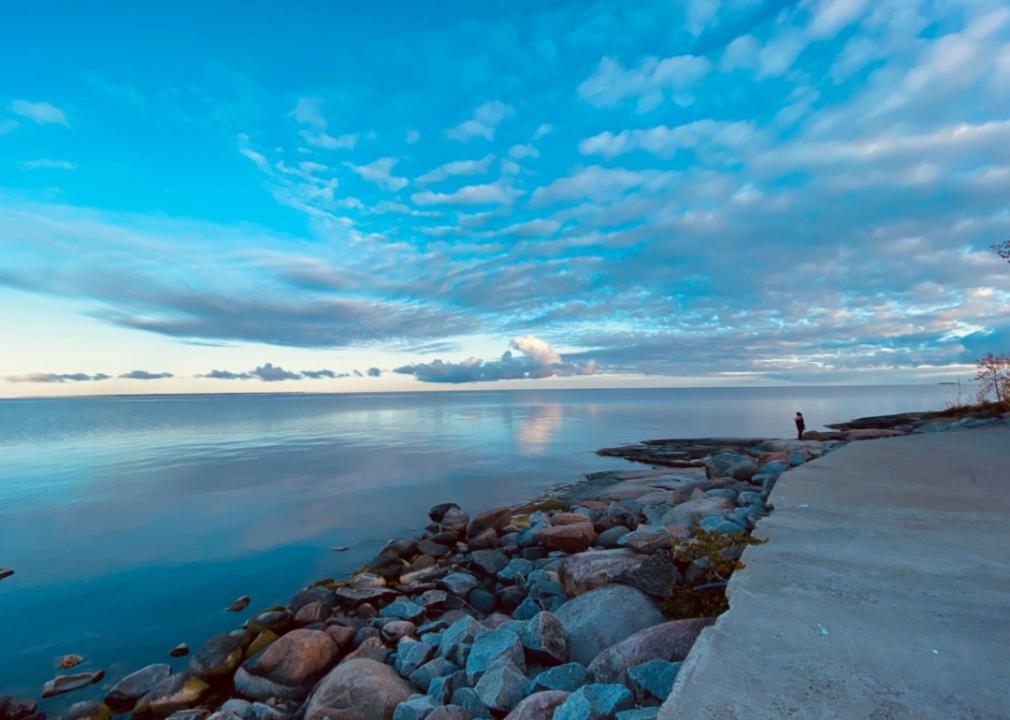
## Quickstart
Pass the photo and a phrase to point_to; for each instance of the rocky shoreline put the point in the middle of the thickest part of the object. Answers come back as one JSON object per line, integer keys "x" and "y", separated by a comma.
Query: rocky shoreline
{"x": 579, "y": 605}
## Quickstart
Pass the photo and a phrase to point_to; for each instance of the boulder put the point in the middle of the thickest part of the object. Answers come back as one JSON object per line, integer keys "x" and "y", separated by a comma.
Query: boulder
{"x": 438, "y": 512}
{"x": 438, "y": 667}
{"x": 594, "y": 702}
{"x": 317, "y": 593}
{"x": 573, "y": 538}
{"x": 358, "y": 689}
{"x": 501, "y": 687}
{"x": 441, "y": 689}
{"x": 599, "y": 618}
{"x": 653, "y": 679}
{"x": 493, "y": 646}
{"x": 689, "y": 513}
{"x": 610, "y": 537}
{"x": 488, "y": 562}
{"x": 643, "y": 713}
{"x": 517, "y": 569}
{"x": 539, "y": 706}
{"x": 495, "y": 519}
{"x": 176, "y": 692}
{"x": 568, "y": 677}
{"x": 656, "y": 576}
{"x": 648, "y": 539}
{"x": 667, "y": 641}
{"x": 289, "y": 667}
{"x": 459, "y": 583}
{"x": 411, "y": 655}
{"x": 730, "y": 464}
{"x": 392, "y": 631}
{"x": 449, "y": 712}
{"x": 403, "y": 609}
{"x": 544, "y": 639}
{"x": 466, "y": 698}
{"x": 433, "y": 549}
{"x": 455, "y": 521}
{"x": 68, "y": 683}
{"x": 416, "y": 708}
{"x": 457, "y": 638}
{"x": 484, "y": 540}
{"x": 87, "y": 710}
{"x": 204, "y": 713}
{"x": 125, "y": 693}
{"x": 218, "y": 657}
{"x": 588, "y": 570}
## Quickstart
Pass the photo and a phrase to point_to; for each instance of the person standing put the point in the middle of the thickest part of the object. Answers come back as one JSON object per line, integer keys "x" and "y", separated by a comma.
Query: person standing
{"x": 801, "y": 425}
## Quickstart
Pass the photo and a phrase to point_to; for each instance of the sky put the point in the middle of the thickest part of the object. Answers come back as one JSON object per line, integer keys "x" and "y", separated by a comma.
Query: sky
{"x": 245, "y": 196}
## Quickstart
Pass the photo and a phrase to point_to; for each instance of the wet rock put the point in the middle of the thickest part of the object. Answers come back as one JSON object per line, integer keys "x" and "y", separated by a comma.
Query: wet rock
{"x": 449, "y": 712}
{"x": 176, "y": 692}
{"x": 239, "y": 605}
{"x": 653, "y": 679}
{"x": 482, "y": 601}
{"x": 433, "y": 599}
{"x": 511, "y": 597}
{"x": 596, "y": 620}
{"x": 370, "y": 649}
{"x": 18, "y": 708}
{"x": 495, "y": 519}
{"x": 403, "y": 610}
{"x": 730, "y": 464}
{"x": 68, "y": 661}
{"x": 351, "y": 597}
{"x": 68, "y": 683}
{"x": 411, "y": 655}
{"x": 314, "y": 612}
{"x": 457, "y": 638}
{"x": 488, "y": 562}
{"x": 277, "y": 619}
{"x": 526, "y": 609}
{"x": 665, "y": 641}
{"x": 390, "y": 567}
{"x": 485, "y": 540}
{"x": 587, "y": 570}
{"x": 261, "y": 642}
{"x": 455, "y": 521}
{"x": 594, "y": 702}
{"x": 358, "y": 689}
{"x": 438, "y": 512}
{"x": 315, "y": 594}
{"x": 434, "y": 549}
{"x": 438, "y": 667}
{"x": 493, "y": 646}
{"x": 87, "y": 710}
{"x": 467, "y": 699}
{"x": 441, "y": 689}
{"x": 125, "y": 693}
{"x": 218, "y": 657}
{"x": 459, "y": 583}
{"x": 516, "y": 570}
{"x": 416, "y": 708}
{"x": 237, "y": 706}
{"x": 538, "y": 706}
{"x": 180, "y": 650}
{"x": 288, "y": 668}
{"x": 501, "y": 687}
{"x": 573, "y": 538}
{"x": 609, "y": 538}
{"x": 568, "y": 677}
{"x": 544, "y": 639}
{"x": 656, "y": 576}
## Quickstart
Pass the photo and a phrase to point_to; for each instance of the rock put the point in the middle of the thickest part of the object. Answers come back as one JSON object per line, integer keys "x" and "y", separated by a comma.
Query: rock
{"x": 176, "y": 692}
{"x": 411, "y": 655}
{"x": 538, "y": 706}
{"x": 516, "y": 570}
{"x": 714, "y": 523}
{"x": 5, "y": 573}
{"x": 288, "y": 668}
{"x": 390, "y": 567}
{"x": 351, "y": 597}
{"x": 501, "y": 687}
{"x": 403, "y": 610}
{"x": 439, "y": 667}
{"x": 656, "y": 576}
{"x": 433, "y": 599}
{"x": 125, "y": 693}
{"x": 180, "y": 650}
{"x": 277, "y": 619}
{"x": 488, "y": 562}
{"x": 315, "y": 594}
{"x": 527, "y": 609}
{"x": 597, "y": 619}
{"x": 511, "y": 597}
{"x": 371, "y": 649}
{"x": 482, "y": 601}
{"x": 593, "y": 568}
{"x": 193, "y": 714}
{"x": 441, "y": 689}
{"x": 544, "y": 639}
{"x": 647, "y": 539}
{"x": 666, "y": 641}
{"x": 394, "y": 630}
{"x": 218, "y": 657}
{"x": 645, "y": 713}
{"x": 438, "y": 512}
{"x": 449, "y": 712}
{"x": 68, "y": 661}
{"x": 689, "y": 513}
{"x": 358, "y": 689}
{"x": 573, "y": 538}
{"x": 653, "y": 679}
{"x": 416, "y": 708}
{"x": 495, "y": 519}
{"x": 455, "y": 521}
{"x": 594, "y": 702}
{"x": 19, "y": 709}
{"x": 568, "y": 677}
{"x": 730, "y": 464}
{"x": 467, "y": 699}
{"x": 239, "y": 605}
{"x": 457, "y": 638}
{"x": 236, "y": 706}
{"x": 459, "y": 583}
{"x": 261, "y": 642}
{"x": 609, "y": 538}
{"x": 434, "y": 549}
{"x": 314, "y": 612}
{"x": 68, "y": 683}
{"x": 493, "y": 646}
{"x": 87, "y": 710}
{"x": 485, "y": 540}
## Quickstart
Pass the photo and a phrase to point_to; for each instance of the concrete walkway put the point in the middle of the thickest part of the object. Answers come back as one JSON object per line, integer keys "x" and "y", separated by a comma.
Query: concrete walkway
{"x": 883, "y": 592}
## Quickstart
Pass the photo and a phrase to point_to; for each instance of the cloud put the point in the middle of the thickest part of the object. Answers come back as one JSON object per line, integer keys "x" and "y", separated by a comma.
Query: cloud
{"x": 145, "y": 375}
{"x": 42, "y": 113}
{"x": 539, "y": 360}
{"x": 665, "y": 141}
{"x": 380, "y": 172}
{"x": 374, "y": 372}
{"x": 485, "y": 120}
{"x": 269, "y": 372}
{"x": 273, "y": 373}
{"x": 742, "y": 53}
{"x": 328, "y": 142}
{"x": 322, "y": 374}
{"x": 56, "y": 377}
{"x": 488, "y": 194}
{"x": 47, "y": 165}
{"x": 308, "y": 111}
{"x": 652, "y": 81}
{"x": 456, "y": 168}
{"x": 830, "y": 16}
{"x": 599, "y": 183}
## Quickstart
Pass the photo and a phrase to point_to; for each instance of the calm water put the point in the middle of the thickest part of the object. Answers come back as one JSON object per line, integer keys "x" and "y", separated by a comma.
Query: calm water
{"x": 132, "y": 522}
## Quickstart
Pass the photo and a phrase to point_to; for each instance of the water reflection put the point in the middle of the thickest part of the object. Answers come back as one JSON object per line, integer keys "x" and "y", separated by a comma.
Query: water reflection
{"x": 538, "y": 428}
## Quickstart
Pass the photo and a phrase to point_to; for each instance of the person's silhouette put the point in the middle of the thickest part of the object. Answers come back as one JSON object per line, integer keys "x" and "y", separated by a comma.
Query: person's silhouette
{"x": 801, "y": 425}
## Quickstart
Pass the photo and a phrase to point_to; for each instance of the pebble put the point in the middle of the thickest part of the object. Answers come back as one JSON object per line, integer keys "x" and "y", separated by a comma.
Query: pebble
{"x": 239, "y": 605}
{"x": 5, "y": 573}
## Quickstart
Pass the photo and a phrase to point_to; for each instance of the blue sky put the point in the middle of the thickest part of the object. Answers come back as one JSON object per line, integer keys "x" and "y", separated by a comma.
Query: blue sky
{"x": 243, "y": 196}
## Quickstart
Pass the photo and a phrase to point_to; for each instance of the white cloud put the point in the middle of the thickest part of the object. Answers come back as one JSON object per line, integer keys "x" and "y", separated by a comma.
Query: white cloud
{"x": 380, "y": 172}
{"x": 699, "y": 14}
{"x": 542, "y": 130}
{"x": 48, "y": 165}
{"x": 456, "y": 168}
{"x": 520, "y": 152}
{"x": 41, "y": 112}
{"x": 532, "y": 228}
{"x": 329, "y": 142}
{"x": 598, "y": 183}
{"x": 485, "y": 120}
{"x": 308, "y": 111}
{"x": 741, "y": 53}
{"x": 779, "y": 53}
{"x": 487, "y": 194}
{"x": 665, "y": 141}
{"x": 649, "y": 82}
{"x": 830, "y": 16}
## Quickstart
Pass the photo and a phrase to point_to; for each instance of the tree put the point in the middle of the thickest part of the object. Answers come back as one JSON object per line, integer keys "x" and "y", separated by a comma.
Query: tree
{"x": 993, "y": 378}
{"x": 1002, "y": 249}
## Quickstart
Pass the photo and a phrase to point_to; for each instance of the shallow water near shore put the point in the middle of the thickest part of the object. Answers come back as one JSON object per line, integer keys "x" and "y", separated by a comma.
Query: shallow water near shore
{"x": 132, "y": 522}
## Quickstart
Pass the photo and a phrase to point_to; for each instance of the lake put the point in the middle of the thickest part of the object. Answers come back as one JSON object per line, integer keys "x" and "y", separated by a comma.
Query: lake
{"x": 132, "y": 522}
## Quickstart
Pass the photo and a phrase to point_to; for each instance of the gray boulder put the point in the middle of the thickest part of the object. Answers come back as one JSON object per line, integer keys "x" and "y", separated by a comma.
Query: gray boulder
{"x": 544, "y": 639}
{"x": 539, "y": 706}
{"x": 491, "y": 647}
{"x": 358, "y": 690}
{"x": 568, "y": 677}
{"x": 125, "y": 693}
{"x": 416, "y": 708}
{"x": 501, "y": 687}
{"x": 730, "y": 464}
{"x": 597, "y": 619}
{"x": 653, "y": 679}
{"x": 176, "y": 692}
{"x": 219, "y": 656}
{"x": 587, "y": 570}
{"x": 289, "y": 667}
{"x": 595, "y": 702}
{"x": 667, "y": 641}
